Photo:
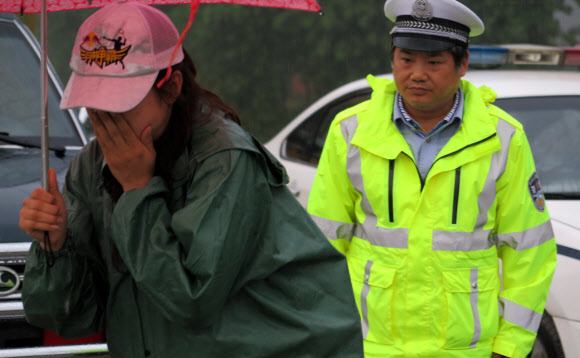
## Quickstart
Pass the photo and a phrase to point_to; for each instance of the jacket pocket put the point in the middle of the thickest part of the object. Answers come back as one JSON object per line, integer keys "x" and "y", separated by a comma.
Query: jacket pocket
{"x": 373, "y": 289}
{"x": 471, "y": 296}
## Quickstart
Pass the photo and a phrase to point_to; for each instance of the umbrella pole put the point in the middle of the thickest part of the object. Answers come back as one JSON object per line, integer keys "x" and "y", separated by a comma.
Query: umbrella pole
{"x": 44, "y": 118}
{"x": 43, "y": 96}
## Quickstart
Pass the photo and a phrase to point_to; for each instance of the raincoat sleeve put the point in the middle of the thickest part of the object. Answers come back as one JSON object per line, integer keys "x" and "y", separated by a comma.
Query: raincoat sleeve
{"x": 67, "y": 298}
{"x": 331, "y": 200}
{"x": 527, "y": 249}
{"x": 187, "y": 262}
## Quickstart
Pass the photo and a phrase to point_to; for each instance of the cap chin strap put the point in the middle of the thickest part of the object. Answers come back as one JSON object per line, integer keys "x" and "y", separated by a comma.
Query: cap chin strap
{"x": 192, "y": 12}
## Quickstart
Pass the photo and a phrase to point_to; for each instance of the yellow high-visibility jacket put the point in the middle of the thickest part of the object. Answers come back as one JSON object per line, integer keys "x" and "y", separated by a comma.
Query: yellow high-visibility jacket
{"x": 423, "y": 255}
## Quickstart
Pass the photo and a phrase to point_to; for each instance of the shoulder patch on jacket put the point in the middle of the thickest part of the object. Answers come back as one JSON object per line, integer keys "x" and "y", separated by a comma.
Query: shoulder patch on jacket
{"x": 536, "y": 192}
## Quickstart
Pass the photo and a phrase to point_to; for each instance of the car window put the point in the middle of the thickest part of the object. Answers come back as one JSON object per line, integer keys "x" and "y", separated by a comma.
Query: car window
{"x": 305, "y": 143}
{"x": 552, "y": 125}
{"x": 20, "y": 124}
{"x": 20, "y": 89}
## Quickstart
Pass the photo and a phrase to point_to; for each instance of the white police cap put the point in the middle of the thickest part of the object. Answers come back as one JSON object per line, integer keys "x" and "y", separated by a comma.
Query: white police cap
{"x": 431, "y": 25}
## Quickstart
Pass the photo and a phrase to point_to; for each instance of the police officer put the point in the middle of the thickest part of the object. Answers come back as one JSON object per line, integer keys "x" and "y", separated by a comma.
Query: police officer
{"x": 424, "y": 188}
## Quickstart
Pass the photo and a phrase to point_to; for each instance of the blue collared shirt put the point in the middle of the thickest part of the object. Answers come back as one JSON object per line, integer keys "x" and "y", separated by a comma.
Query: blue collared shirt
{"x": 425, "y": 147}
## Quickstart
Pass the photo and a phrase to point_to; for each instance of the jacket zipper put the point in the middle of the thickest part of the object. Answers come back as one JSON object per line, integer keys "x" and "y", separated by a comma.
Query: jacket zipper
{"x": 450, "y": 154}
{"x": 391, "y": 178}
{"x": 456, "y": 195}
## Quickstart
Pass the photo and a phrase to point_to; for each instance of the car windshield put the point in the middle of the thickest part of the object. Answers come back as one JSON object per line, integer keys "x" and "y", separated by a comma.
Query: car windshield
{"x": 552, "y": 125}
{"x": 20, "y": 89}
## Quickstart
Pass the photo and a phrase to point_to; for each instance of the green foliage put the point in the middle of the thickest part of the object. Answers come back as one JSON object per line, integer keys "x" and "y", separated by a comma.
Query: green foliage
{"x": 269, "y": 64}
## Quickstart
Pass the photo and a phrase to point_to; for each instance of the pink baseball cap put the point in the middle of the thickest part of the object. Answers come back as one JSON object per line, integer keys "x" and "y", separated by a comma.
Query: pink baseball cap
{"x": 118, "y": 53}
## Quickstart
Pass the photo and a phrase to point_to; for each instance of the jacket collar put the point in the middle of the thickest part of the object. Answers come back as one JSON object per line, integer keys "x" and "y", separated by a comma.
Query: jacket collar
{"x": 376, "y": 132}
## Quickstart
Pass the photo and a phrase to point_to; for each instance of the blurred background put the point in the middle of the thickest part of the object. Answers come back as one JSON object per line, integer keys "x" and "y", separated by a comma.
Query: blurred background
{"x": 269, "y": 64}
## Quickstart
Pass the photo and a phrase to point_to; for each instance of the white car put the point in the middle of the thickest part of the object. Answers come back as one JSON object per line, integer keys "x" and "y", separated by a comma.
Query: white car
{"x": 547, "y": 102}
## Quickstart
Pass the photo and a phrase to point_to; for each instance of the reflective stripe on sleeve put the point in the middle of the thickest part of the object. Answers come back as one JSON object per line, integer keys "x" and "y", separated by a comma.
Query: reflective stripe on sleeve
{"x": 533, "y": 237}
{"x": 363, "y": 300}
{"x": 505, "y": 132}
{"x": 334, "y": 230}
{"x": 519, "y": 315}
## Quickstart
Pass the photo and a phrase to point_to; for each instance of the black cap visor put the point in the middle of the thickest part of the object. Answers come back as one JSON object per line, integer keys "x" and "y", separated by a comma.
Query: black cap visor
{"x": 424, "y": 42}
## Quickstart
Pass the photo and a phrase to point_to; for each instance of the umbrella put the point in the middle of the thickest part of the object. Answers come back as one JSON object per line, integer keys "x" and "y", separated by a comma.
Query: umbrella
{"x": 43, "y": 6}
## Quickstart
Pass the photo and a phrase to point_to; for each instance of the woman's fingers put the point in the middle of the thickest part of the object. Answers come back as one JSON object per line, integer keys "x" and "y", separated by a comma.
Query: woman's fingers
{"x": 99, "y": 128}
{"x": 114, "y": 133}
{"x": 122, "y": 128}
{"x": 130, "y": 157}
{"x": 45, "y": 211}
{"x": 32, "y": 226}
{"x": 118, "y": 130}
{"x": 38, "y": 216}
{"x": 40, "y": 208}
{"x": 40, "y": 199}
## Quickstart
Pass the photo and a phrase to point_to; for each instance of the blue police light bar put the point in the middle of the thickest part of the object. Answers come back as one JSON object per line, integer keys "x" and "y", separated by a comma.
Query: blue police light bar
{"x": 487, "y": 55}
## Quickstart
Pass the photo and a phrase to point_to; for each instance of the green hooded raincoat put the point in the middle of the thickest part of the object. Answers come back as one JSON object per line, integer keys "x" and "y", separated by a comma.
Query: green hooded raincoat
{"x": 220, "y": 262}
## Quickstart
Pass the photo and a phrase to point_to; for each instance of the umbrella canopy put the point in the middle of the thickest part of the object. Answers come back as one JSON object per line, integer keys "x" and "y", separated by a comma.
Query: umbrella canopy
{"x": 34, "y": 6}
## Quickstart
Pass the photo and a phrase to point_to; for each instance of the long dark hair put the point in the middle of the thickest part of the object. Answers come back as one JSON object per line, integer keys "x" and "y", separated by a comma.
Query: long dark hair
{"x": 193, "y": 104}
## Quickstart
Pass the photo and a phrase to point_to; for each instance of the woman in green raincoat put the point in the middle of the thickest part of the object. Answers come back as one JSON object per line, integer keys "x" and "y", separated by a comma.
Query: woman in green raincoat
{"x": 175, "y": 230}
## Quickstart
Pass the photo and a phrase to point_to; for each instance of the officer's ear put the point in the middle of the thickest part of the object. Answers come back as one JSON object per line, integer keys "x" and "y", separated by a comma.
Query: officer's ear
{"x": 464, "y": 63}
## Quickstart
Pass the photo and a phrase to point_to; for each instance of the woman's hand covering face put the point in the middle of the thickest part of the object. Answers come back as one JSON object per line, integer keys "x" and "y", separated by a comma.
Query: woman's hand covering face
{"x": 129, "y": 155}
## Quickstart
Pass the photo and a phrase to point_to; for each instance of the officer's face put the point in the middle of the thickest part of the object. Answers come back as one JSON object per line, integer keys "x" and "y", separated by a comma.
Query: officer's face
{"x": 427, "y": 80}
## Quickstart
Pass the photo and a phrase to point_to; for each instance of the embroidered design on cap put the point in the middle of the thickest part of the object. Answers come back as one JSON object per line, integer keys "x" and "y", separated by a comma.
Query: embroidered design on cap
{"x": 422, "y": 10}
{"x": 103, "y": 56}
{"x": 536, "y": 192}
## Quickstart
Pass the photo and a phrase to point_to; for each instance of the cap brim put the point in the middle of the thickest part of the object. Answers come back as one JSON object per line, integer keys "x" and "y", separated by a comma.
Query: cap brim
{"x": 111, "y": 94}
{"x": 422, "y": 43}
